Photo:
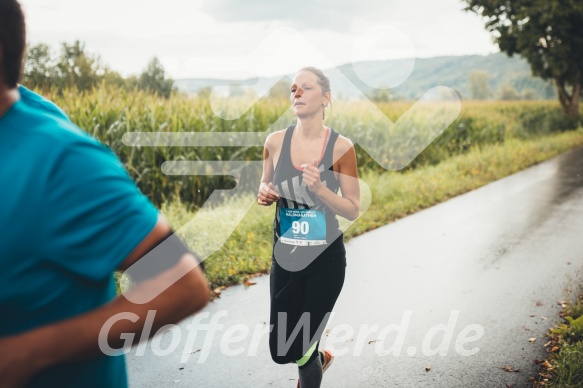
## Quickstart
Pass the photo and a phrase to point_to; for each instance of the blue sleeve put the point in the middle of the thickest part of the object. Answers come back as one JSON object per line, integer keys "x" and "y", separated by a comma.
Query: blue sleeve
{"x": 35, "y": 100}
{"x": 95, "y": 214}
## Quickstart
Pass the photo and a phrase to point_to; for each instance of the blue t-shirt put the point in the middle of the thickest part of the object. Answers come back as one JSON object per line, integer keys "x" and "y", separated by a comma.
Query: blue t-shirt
{"x": 70, "y": 214}
{"x": 35, "y": 100}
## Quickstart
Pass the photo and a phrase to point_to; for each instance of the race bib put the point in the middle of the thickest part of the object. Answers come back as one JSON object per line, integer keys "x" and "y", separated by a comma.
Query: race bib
{"x": 302, "y": 226}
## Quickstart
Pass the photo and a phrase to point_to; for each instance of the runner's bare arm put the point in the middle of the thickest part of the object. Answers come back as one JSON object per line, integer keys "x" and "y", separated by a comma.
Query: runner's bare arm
{"x": 24, "y": 355}
{"x": 267, "y": 194}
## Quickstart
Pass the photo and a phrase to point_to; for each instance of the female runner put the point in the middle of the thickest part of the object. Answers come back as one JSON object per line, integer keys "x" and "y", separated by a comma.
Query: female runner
{"x": 304, "y": 167}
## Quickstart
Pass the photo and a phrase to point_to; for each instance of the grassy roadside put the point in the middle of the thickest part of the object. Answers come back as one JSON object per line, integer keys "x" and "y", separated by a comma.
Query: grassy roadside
{"x": 564, "y": 365}
{"x": 394, "y": 195}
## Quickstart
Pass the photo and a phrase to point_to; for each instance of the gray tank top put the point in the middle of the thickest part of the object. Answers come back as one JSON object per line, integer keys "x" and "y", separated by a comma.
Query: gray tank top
{"x": 299, "y": 210}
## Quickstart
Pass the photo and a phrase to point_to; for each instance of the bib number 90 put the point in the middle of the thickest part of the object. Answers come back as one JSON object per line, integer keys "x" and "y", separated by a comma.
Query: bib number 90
{"x": 300, "y": 227}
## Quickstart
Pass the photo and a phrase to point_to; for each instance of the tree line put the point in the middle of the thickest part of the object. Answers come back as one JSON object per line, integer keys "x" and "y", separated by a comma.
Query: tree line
{"x": 479, "y": 89}
{"x": 73, "y": 67}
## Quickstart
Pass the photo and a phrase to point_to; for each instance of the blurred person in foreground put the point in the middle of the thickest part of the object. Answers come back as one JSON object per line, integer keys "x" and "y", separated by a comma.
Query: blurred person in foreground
{"x": 70, "y": 217}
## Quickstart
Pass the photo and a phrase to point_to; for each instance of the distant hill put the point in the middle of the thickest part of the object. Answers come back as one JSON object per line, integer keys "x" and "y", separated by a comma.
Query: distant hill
{"x": 451, "y": 71}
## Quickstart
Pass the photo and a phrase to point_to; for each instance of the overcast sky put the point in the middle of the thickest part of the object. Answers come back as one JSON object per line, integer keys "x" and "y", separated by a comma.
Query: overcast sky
{"x": 237, "y": 39}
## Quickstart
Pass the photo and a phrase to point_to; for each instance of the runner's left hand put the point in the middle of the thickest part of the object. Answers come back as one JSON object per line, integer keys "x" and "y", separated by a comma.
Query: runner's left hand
{"x": 311, "y": 177}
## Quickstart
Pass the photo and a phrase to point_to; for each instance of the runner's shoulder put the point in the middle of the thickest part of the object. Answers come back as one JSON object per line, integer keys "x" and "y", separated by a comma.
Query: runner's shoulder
{"x": 275, "y": 139}
{"x": 343, "y": 144}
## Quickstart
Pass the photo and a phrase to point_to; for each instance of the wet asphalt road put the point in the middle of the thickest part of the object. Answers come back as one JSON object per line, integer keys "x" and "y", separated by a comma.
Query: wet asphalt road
{"x": 470, "y": 278}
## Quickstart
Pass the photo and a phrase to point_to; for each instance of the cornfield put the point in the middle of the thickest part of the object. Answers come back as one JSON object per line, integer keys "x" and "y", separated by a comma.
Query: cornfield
{"x": 109, "y": 113}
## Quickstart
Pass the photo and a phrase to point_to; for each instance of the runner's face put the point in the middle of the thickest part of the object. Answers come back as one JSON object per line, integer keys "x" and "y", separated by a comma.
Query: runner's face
{"x": 306, "y": 95}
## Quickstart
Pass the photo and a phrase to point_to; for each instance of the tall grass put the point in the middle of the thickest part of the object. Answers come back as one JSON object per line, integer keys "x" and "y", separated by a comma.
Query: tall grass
{"x": 108, "y": 113}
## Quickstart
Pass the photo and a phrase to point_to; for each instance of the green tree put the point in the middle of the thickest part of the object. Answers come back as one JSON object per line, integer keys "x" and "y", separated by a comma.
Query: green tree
{"x": 76, "y": 68}
{"x": 132, "y": 82}
{"x": 529, "y": 94}
{"x": 508, "y": 93}
{"x": 115, "y": 79}
{"x": 73, "y": 67}
{"x": 39, "y": 68}
{"x": 383, "y": 95}
{"x": 154, "y": 79}
{"x": 479, "y": 88}
{"x": 547, "y": 33}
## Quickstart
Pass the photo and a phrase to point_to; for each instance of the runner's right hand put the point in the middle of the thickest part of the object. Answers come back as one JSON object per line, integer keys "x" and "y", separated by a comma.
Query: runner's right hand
{"x": 267, "y": 194}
